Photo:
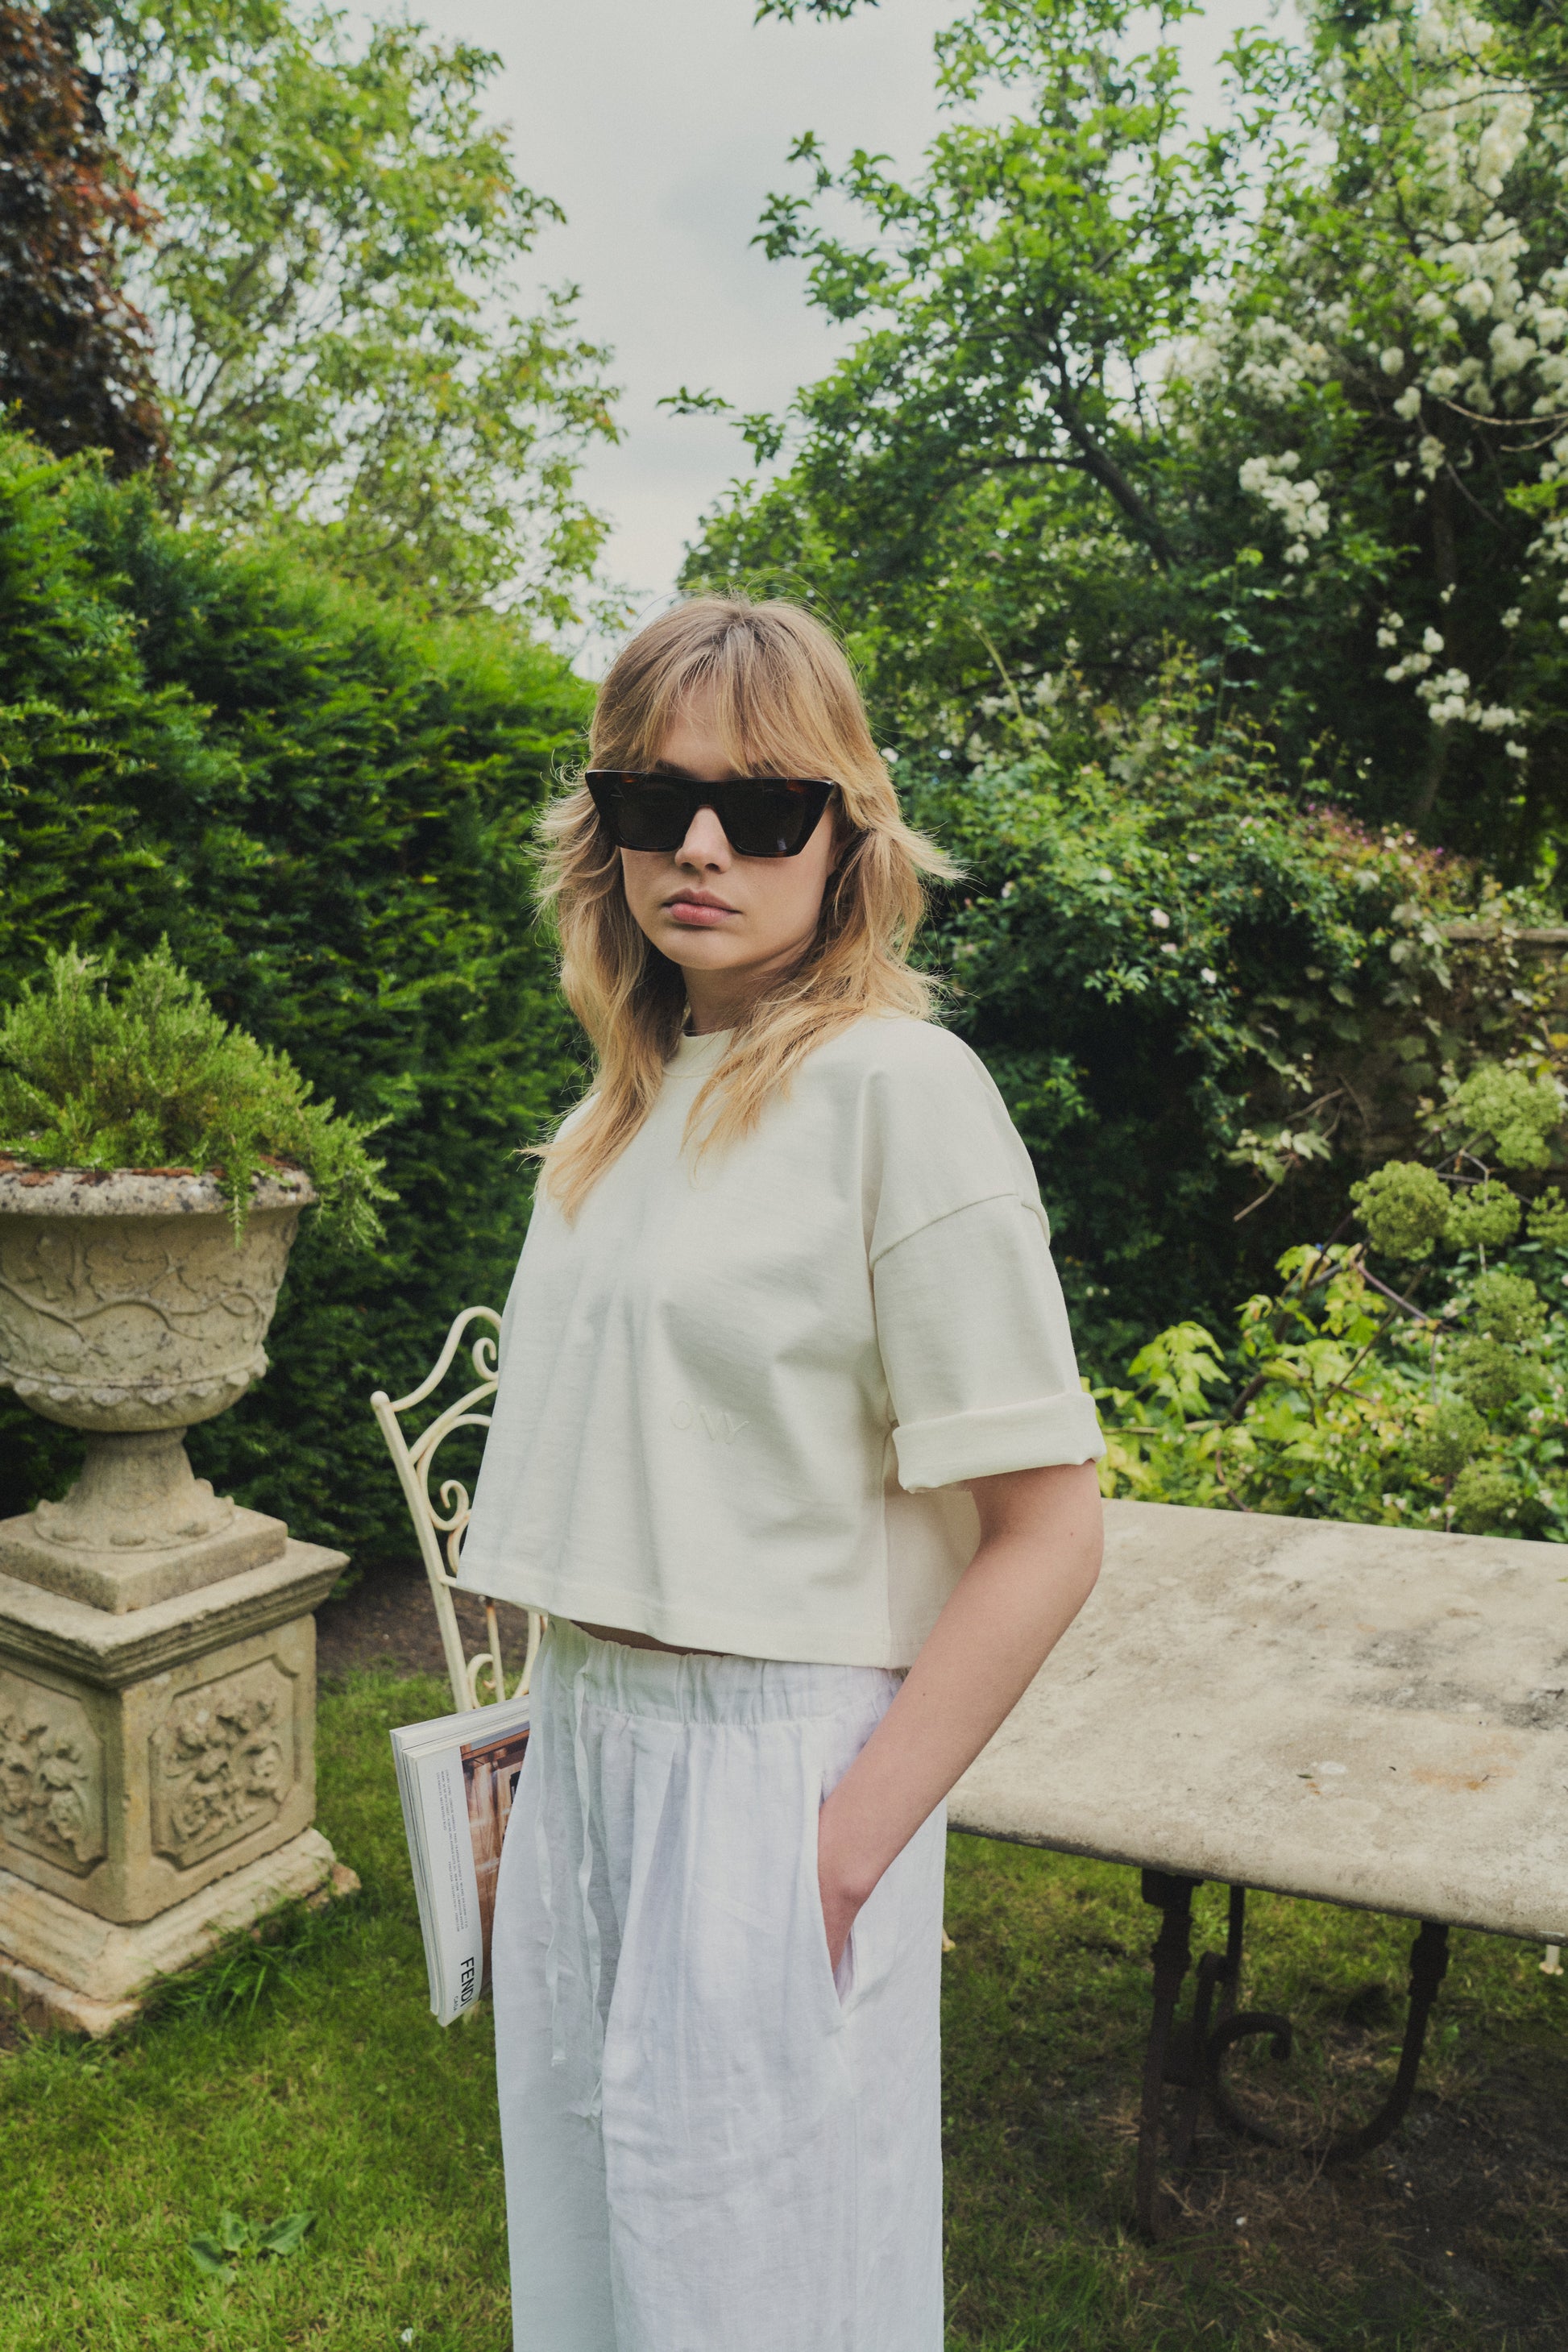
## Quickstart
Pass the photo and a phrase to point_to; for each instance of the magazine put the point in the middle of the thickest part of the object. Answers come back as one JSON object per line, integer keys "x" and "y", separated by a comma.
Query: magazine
{"x": 456, "y": 1778}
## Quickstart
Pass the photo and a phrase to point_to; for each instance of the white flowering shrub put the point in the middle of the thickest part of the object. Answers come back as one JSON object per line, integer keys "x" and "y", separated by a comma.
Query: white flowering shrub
{"x": 1299, "y": 504}
{"x": 1397, "y": 334}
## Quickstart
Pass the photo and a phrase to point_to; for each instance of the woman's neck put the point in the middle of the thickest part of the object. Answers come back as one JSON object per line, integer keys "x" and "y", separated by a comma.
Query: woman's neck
{"x": 726, "y": 1000}
{"x": 715, "y": 1007}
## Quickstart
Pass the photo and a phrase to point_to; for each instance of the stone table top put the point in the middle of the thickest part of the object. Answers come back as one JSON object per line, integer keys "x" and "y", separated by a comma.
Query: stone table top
{"x": 1367, "y": 1715}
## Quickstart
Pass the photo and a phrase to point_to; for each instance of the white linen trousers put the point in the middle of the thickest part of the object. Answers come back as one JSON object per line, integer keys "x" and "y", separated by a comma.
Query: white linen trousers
{"x": 710, "y": 2142}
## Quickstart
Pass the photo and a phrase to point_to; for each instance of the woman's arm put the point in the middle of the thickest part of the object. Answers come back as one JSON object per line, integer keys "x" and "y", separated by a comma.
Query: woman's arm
{"x": 1040, "y": 1535}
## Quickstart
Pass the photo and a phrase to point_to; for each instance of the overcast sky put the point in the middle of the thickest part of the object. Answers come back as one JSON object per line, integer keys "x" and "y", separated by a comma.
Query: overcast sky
{"x": 660, "y": 126}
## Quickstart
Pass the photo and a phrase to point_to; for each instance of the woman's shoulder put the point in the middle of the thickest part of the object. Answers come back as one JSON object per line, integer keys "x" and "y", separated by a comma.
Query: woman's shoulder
{"x": 906, "y": 1055}
{"x": 935, "y": 1131}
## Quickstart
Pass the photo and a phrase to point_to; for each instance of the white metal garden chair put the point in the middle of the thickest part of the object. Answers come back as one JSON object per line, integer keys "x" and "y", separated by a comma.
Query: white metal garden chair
{"x": 440, "y": 1530}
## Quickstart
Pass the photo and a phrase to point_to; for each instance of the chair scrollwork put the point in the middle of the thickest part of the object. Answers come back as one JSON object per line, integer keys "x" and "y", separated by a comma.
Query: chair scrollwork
{"x": 440, "y": 1519}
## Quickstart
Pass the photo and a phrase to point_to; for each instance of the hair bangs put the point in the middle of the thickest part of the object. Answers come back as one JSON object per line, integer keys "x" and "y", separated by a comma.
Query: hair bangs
{"x": 758, "y": 672}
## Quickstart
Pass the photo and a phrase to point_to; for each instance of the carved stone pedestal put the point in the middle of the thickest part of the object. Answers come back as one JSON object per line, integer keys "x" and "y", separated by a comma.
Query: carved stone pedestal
{"x": 157, "y": 1779}
{"x": 157, "y": 1645}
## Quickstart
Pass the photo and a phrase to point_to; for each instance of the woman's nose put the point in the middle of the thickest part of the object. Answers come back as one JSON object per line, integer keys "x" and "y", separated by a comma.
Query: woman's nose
{"x": 705, "y": 843}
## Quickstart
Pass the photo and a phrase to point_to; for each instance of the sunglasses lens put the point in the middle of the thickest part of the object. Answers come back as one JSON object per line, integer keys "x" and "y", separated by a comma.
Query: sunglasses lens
{"x": 771, "y": 819}
{"x": 644, "y": 813}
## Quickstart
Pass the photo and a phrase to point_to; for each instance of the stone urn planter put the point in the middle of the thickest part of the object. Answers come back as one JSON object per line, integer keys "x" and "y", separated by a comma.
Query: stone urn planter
{"x": 127, "y": 1310}
{"x": 157, "y": 1649}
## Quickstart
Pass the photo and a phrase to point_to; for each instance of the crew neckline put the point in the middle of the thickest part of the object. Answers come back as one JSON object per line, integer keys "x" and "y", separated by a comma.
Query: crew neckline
{"x": 692, "y": 1052}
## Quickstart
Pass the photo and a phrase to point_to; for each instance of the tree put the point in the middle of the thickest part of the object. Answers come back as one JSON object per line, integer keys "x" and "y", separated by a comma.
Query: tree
{"x": 1002, "y": 403}
{"x": 334, "y": 288}
{"x": 1290, "y": 389}
{"x": 75, "y": 357}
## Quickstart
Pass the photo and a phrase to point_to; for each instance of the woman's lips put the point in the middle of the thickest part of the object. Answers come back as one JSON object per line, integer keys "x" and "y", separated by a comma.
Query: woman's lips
{"x": 696, "y": 914}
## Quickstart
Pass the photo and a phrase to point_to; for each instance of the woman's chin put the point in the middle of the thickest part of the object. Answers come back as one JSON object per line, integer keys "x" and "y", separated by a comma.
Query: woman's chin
{"x": 704, "y": 950}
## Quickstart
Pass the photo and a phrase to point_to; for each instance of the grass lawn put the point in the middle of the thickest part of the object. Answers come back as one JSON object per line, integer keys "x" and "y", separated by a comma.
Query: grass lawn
{"x": 307, "y": 2074}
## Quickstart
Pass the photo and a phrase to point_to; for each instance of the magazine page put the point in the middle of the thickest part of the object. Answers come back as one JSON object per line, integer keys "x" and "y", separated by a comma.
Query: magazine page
{"x": 454, "y": 1895}
{"x": 456, "y": 1780}
{"x": 491, "y": 1766}
{"x": 407, "y": 1799}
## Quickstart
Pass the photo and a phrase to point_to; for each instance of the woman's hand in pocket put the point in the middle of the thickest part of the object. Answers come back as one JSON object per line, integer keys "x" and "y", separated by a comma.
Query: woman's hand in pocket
{"x": 838, "y": 1882}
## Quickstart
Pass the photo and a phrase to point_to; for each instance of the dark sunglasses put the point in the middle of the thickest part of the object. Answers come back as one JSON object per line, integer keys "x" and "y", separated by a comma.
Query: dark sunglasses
{"x": 762, "y": 817}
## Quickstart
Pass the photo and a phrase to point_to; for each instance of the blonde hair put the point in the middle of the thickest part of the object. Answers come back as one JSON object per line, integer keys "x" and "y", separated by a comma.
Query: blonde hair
{"x": 782, "y": 700}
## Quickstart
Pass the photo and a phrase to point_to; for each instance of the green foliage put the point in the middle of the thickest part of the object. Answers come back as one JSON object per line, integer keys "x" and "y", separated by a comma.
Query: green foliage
{"x": 1343, "y": 1398}
{"x": 335, "y": 285}
{"x": 150, "y": 1077}
{"x": 1506, "y": 1308}
{"x": 1486, "y": 1500}
{"x": 1487, "y": 1374}
{"x": 1405, "y": 1207}
{"x": 984, "y": 467}
{"x": 1484, "y": 1217}
{"x": 1547, "y": 1219}
{"x": 1516, "y": 1115}
{"x": 218, "y": 2252}
{"x": 1330, "y": 1404}
{"x": 1444, "y": 1446}
{"x": 326, "y": 808}
{"x": 1282, "y": 379}
{"x": 1177, "y": 977}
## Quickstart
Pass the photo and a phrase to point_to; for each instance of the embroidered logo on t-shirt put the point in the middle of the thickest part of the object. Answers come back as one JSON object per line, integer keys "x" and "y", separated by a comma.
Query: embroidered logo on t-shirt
{"x": 717, "y": 1424}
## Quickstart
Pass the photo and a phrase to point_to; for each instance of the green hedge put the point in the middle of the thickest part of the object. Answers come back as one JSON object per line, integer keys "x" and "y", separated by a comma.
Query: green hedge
{"x": 325, "y": 806}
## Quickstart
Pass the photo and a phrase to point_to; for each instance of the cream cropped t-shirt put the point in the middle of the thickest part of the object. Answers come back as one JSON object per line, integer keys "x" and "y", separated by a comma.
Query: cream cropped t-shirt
{"x": 740, "y": 1395}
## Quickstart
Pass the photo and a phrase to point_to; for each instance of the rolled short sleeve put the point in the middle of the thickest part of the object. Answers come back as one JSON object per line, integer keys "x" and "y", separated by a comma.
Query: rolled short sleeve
{"x": 976, "y": 1349}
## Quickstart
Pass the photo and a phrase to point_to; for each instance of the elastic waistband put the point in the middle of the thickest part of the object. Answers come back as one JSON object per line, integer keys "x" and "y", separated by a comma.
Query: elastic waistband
{"x": 679, "y": 1686}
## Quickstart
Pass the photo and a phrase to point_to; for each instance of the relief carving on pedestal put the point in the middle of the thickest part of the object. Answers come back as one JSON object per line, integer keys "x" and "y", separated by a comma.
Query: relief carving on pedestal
{"x": 223, "y": 1762}
{"x": 51, "y": 1776}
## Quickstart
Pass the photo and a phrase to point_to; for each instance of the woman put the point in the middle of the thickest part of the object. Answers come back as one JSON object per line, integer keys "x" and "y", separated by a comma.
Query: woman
{"x": 790, "y": 1446}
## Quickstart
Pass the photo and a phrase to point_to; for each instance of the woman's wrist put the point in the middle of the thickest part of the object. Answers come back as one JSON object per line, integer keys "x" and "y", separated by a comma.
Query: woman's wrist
{"x": 848, "y": 1857}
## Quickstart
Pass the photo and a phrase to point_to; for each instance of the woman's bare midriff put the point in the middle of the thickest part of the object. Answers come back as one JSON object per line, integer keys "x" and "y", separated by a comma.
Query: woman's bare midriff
{"x": 642, "y": 1641}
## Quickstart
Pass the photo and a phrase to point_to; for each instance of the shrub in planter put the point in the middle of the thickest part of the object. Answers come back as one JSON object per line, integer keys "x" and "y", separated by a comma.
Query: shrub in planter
{"x": 148, "y": 1076}
{"x": 136, "y": 1292}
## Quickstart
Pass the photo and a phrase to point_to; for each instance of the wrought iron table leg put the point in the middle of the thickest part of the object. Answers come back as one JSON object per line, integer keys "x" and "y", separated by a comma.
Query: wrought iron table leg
{"x": 1190, "y": 2054}
{"x": 1172, "y": 1949}
{"x": 1428, "y": 1966}
{"x": 1187, "y": 2061}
